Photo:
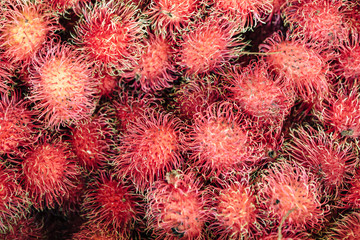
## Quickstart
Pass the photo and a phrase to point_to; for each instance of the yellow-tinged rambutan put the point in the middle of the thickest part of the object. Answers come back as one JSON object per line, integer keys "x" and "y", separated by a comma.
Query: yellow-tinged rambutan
{"x": 61, "y": 85}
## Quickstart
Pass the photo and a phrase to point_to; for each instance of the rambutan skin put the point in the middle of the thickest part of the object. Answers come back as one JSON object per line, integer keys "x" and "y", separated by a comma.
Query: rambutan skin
{"x": 25, "y": 26}
{"x": 112, "y": 204}
{"x": 259, "y": 93}
{"x": 92, "y": 142}
{"x": 331, "y": 161}
{"x": 177, "y": 207}
{"x": 110, "y": 33}
{"x": 301, "y": 67}
{"x": 155, "y": 69}
{"x": 289, "y": 193}
{"x": 62, "y": 86}
{"x": 347, "y": 227}
{"x": 208, "y": 46}
{"x": 17, "y": 126}
{"x": 150, "y": 147}
{"x": 49, "y": 170}
{"x": 221, "y": 141}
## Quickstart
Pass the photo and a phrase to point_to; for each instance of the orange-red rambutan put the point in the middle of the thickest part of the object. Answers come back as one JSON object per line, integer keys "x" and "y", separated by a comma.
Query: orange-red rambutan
{"x": 61, "y": 85}
{"x": 150, "y": 147}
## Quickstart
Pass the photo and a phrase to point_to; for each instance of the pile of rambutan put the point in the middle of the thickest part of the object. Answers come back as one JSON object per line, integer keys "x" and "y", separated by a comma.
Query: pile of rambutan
{"x": 179, "y": 119}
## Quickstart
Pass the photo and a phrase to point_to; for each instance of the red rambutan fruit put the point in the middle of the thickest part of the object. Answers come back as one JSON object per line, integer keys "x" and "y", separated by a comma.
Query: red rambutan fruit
{"x": 107, "y": 83}
{"x": 110, "y": 33}
{"x": 24, "y": 229}
{"x": 48, "y": 173}
{"x": 351, "y": 199}
{"x": 300, "y": 66}
{"x": 245, "y": 13}
{"x": 150, "y": 147}
{"x": 112, "y": 204}
{"x": 155, "y": 69}
{"x": 62, "y": 86}
{"x": 208, "y": 46}
{"x": 194, "y": 96}
{"x": 91, "y": 142}
{"x": 16, "y": 125}
{"x": 221, "y": 141}
{"x": 321, "y": 21}
{"x": 234, "y": 214}
{"x": 275, "y": 235}
{"x": 90, "y": 231}
{"x": 260, "y": 94}
{"x": 348, "y": 65}
{"x": 25, "y": 26}
{"x": 168, "y": 17}
{"x": 332, "y": 162}
{"x": 13, "y": 200}
{"x": 5, "y": 75}
{"x": 290, "y": 195}
{"x": 177, "y": 207}
{"x": 342, "y": 112}
{"x": 62, "y": 6}
{"x": 347, "y": 227}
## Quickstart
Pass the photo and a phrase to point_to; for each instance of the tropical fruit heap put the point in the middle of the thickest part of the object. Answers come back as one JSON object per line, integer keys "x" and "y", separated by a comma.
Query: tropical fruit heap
{"x": 179, "y": 119}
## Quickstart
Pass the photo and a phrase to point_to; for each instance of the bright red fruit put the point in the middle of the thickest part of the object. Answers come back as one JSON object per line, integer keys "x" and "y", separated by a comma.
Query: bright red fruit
{"x": 112, "y": 204}
{"x": 61, "y": 85}
{"x": 48, "y": 174}
{"x": 150, "y": 147}
{"x": 176, "y": 207}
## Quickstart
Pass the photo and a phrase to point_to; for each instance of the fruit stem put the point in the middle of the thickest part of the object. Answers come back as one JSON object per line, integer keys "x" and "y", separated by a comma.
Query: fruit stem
{"x": 282, "y": 222}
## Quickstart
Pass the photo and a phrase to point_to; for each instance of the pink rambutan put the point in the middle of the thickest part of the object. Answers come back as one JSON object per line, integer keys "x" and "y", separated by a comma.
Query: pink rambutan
{"x": 348, "y": 65}
{"x": 150, "y": 147}
{"x": 62, "y": 86}
{"x": 112, "y": 204}
{"x": 168, "y": 17}
{"x": 48, "y": 173}
{"x": 351, "y": 198}
{"x": 208, "y": 46}
{"x": 260, "y": 94}
{"x": 5, "y": 75}
{"x": 221, "y": 141}
{"x": 17, "y": 127}
{"x": 291, "y": 195}
{"x": 110, "y": 33}
{"x": 300, "y": 66}
{"x": 331, "y": 161}
{"x": 155, "y": 69}
{"x": 25, "y": 26}
{"x": 342, "y": 112}
{"x": 13, "y": 200}
{"x": 91, "y": 142}
{"x": 194, "y": 96}
{"x": 245, "y": 13}
{"x": 62, "y": 6}
{"x": 234, "y": 214}
{"x": 106, "y": 82}
{"x": 347, "y": 227}
{"x": 177, "y": 207}
{"x": 322, "y": 22}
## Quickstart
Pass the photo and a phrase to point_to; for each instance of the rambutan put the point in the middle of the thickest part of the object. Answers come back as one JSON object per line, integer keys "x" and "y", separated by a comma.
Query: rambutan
{"x": 5, "y": 75}
{"x": 62, "y": 6}
{"x": 25, "y": 26}
{"x": 348, "y": 65}
{"x": 221, "y": 141}
{"x": 351, "y": 198}
{"x": 322, "y": 22}
{"x": 194, "y": 96}
{"x": 62, "y": 86}
{"x": 300, "y": 66}
{"x": 245, "y": 13}
{"x": 150, "y": 147}
{"x": 347, "y": 227}
{"x": 17, "y": 127}
{"x": 208, "y": 46}
{"x": 13, "y": 200}
{"x": 235, "y": 214}
{"x": 168, "y": 17}
{"x": 176, "y": 207}
{"x": 48, "y": 171}
{"x": 260, "y": 94}
{"x": 106, "y": 82}
{"x": 155, "y": 69}
{"x": 24, "y": 229}
{"x": 91, "y": 142}
{"x": 332, "y": 162}
{"x": 90, "y": 231}
{"x": 112, "y": 204}
{"x": 109, "y": 32}
{"x": 291, "y": 195}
